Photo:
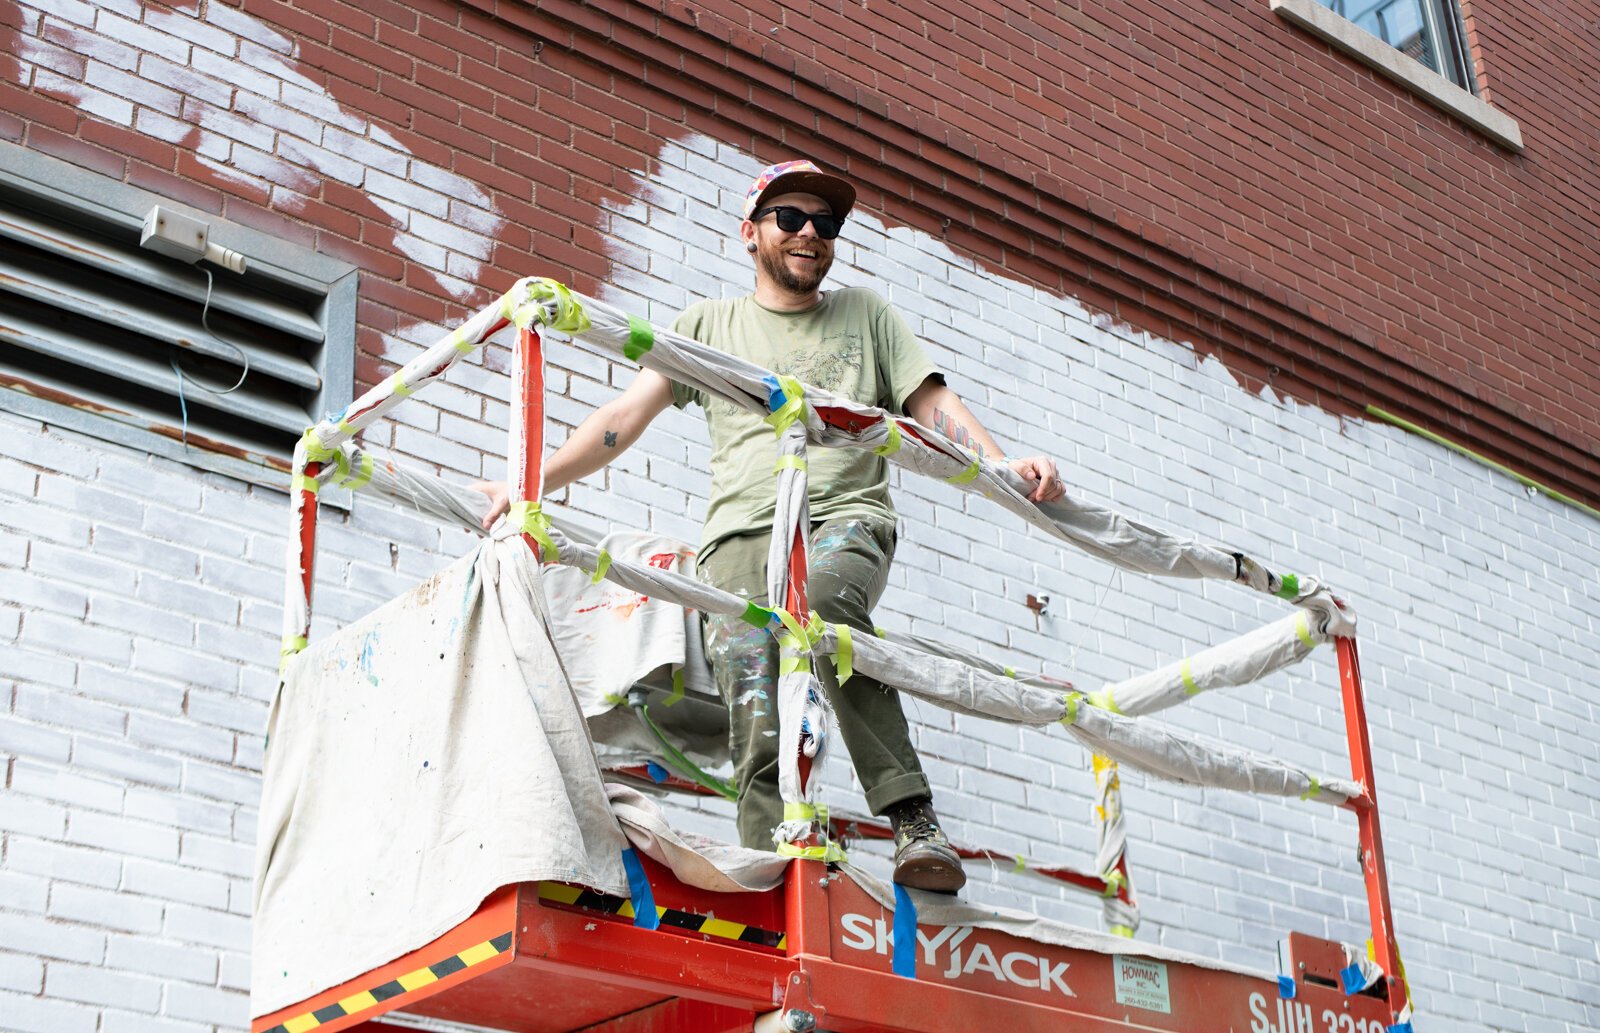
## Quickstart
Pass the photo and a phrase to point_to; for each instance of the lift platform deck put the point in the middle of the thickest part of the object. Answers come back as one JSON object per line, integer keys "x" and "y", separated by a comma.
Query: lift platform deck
{"x": 816, "y": 953}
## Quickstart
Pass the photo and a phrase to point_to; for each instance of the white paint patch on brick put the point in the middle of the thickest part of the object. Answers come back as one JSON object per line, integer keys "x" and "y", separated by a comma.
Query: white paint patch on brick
{"x": 317, "y": 136}
{"x": 1439, "y": 554}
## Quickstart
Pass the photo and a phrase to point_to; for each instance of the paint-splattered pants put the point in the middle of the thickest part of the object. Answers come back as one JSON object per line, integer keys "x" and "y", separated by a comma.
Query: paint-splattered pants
{"x": 849, "y": 570}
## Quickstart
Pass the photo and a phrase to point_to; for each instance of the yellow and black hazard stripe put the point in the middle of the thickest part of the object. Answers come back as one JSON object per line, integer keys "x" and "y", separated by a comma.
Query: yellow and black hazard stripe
{"x": 360, "y": 1002}
{"x": 589, "y": 900}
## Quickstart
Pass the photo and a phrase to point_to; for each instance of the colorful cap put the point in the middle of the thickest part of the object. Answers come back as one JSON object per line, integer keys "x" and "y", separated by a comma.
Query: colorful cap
{"x": 800, "y": 177}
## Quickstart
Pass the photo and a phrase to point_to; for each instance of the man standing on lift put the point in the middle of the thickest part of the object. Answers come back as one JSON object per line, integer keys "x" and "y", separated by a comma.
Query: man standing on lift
{"x": 853, "y": 343}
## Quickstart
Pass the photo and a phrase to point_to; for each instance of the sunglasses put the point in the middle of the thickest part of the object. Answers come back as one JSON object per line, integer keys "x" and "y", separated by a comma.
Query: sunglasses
{"x": 792, "y": 220}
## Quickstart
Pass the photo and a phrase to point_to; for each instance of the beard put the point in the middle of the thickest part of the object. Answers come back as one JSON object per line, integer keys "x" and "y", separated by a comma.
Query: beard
{"x": 772, "y": 259}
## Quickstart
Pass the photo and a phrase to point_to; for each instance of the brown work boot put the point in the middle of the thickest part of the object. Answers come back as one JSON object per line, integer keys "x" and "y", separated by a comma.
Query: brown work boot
{"x": 923, "y": 857}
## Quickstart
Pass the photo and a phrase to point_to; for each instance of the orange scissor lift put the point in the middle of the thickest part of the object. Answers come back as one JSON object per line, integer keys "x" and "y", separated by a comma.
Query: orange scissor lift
{"x": 818, "y": 952}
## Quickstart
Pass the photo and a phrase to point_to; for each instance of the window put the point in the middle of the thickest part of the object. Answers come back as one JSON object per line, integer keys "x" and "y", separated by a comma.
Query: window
{"x": 1420, "y": 44}
{"x": 1429, "y": 31}
{"x": 119, "y": 341}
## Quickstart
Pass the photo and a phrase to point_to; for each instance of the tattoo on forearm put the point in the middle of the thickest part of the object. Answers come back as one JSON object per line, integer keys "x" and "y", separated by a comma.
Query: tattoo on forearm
{"x": 611, "y": 439}
{"x": 947, "y": 425}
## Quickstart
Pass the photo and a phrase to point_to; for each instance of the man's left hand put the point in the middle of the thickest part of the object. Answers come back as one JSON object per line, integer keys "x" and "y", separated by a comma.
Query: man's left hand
{"x": 1040, "y": 471}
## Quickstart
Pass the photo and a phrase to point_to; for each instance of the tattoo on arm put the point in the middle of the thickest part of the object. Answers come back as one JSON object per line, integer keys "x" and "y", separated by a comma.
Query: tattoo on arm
{"x": 947, "y": 425}
{"x": 611, "y": 439}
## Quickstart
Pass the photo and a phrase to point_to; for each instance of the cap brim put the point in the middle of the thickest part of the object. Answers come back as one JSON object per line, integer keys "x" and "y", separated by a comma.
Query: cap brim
{"x": 839, "y": 194}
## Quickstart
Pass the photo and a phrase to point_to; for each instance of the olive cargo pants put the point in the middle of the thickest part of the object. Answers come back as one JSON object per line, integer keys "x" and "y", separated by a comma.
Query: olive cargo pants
{"x": 849, "y": 560}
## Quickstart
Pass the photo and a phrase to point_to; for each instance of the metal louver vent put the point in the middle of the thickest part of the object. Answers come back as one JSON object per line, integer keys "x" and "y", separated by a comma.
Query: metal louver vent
{"x": 92, "y": 323}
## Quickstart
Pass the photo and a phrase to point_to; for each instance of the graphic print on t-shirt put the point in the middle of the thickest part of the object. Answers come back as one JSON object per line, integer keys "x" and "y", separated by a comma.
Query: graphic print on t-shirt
{"x": 833, "y": 364}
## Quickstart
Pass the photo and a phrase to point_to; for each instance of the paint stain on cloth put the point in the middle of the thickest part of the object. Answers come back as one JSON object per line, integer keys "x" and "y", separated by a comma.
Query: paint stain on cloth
{"x": 625, "y": 606}
{"x": 369, "y": 657}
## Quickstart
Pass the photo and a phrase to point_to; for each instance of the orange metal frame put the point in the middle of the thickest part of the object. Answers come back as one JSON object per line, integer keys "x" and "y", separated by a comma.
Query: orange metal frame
{"x": 550, "y": 958}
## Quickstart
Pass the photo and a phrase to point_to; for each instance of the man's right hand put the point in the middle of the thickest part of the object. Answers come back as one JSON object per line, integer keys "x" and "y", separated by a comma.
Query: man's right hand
{"x": 499, "y": 499}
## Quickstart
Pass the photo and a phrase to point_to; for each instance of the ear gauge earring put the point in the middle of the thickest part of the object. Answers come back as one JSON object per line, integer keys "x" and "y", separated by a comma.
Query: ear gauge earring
{"x": 751, "y": 247}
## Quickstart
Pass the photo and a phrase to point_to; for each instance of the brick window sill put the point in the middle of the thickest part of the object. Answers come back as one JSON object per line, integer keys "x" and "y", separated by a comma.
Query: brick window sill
{"x": 1415, "y": 76}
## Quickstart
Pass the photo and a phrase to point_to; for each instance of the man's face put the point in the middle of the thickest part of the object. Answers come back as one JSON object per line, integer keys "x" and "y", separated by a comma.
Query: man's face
{"x": 795, "y": 262}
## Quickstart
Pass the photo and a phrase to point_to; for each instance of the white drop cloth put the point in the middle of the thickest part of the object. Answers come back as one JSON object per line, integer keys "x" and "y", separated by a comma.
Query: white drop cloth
{"x": 417, "y": 760}
{"x": 610, "y": 636}
{"x": 695, "y": 860}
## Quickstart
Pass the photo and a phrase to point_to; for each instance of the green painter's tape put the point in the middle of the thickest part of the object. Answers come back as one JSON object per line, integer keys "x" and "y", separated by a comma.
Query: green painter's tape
{"x": 796, "y": 636}
{"x": 1105, "y": 700}
{"x": 291, "y": 645}
{"x": 641, "y": 338}
{"x": 361, "y": 477}
{"x": 527, "y": 516}
{"x": 569, "y": 316}
{"x": 316, "y": 451}
{"x": 1291, "y": 587}
{"x": 891, "y": 446}
{"x": 793, "y": 407}
{"x": 968, "y": 475}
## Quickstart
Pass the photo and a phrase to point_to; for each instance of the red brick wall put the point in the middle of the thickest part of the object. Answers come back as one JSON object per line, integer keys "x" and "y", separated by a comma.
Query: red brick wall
{"x": 1213, "y": 174}
{"x": 1205, "y": 171}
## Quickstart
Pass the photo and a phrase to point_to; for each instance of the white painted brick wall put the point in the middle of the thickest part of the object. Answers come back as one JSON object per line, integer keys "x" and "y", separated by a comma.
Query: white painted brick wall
{"x": 1478, "y": 606}
{"x": 139, "y": 606}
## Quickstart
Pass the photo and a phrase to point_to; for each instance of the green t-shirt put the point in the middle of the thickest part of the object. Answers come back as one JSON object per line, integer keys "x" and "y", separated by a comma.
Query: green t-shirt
{"x": 853, "y": 344}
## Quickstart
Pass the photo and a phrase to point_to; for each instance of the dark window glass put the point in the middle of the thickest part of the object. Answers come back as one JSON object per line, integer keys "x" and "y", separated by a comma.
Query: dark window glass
{"x": 1429, "y": 31}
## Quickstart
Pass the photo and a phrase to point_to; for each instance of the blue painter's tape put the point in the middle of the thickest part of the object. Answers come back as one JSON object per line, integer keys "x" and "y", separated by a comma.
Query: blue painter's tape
{"x": 1400, "y": 1027}
{"x": 1286, "y": 988}
{"x": 1354, "y": 982}
{"x": 776, "y": 399}
{"x": 644, "y": 902}
{"x": 905, "y": 934}
{"x": 658, "y": 773}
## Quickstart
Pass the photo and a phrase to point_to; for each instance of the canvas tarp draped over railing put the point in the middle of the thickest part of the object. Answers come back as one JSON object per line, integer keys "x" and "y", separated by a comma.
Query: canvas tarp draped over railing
{"x": 417, "y": 760}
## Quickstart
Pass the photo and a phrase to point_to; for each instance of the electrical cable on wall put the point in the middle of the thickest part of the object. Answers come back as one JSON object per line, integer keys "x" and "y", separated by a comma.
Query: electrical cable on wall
{"x": 187, "y": 239}
{"x": 244, "y": 361}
